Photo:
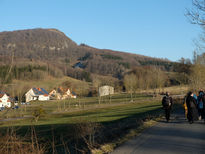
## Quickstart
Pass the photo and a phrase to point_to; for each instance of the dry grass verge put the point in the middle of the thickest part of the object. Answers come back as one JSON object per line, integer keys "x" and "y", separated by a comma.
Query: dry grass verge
{"x": 107, "y": 148}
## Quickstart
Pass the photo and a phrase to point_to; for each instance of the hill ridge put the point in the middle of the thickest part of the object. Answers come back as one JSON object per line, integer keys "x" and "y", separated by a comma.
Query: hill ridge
{"x": 53, "y": 46}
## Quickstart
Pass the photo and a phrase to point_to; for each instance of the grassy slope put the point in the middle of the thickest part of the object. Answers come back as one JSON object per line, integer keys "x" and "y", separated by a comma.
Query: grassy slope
{"x": 51, "y": 83}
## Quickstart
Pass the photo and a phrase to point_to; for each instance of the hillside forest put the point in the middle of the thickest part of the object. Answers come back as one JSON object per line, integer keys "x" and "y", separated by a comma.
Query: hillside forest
{"x": 39, "y": 55}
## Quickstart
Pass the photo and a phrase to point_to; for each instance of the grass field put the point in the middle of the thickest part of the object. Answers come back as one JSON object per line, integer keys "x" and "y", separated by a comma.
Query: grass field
{"x": 63, "y": 111}
{"x": 76, "y": 121}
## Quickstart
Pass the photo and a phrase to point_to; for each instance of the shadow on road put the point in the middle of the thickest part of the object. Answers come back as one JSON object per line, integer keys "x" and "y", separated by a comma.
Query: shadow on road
{"x": 176, "y": 136}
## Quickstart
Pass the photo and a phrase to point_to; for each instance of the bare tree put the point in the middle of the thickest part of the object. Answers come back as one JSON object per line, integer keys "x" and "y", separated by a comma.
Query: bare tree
{"x": 96, "y": 85}
{"x": 197, "y": 75}
{"x": 196, "y": 15}
{"x": 130, "y": 82}
{"x": 158, "y": 79}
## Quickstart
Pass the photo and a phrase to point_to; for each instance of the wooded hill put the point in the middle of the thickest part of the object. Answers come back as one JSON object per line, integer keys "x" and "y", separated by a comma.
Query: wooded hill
{"x": 59, "y": 55}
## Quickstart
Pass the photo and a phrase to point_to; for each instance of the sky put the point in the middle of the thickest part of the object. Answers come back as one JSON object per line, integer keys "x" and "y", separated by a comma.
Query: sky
{"x": 156, "y": 28}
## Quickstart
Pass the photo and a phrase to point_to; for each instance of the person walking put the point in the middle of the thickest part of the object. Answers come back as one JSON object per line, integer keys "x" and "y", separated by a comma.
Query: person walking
{"x": 192, "y": 108}
{"x": 185, "y": 107}
{"x": 200, "y": 104}
{"x": 203, "y": 110}
{"x": 167, "y": 105}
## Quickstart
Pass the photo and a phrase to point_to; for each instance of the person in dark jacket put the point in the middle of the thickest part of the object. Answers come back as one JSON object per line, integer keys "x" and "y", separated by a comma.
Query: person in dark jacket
{"x": 167, "y": 105}
{"x": 192, "y": 108}
{"x": 203, "y": 109}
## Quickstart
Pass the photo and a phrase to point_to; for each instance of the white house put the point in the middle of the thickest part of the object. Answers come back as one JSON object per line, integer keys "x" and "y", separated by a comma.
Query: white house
{"x": 37, "y": 94}
{"x": 106, "y": 90}
{"x": 5, "y": 100}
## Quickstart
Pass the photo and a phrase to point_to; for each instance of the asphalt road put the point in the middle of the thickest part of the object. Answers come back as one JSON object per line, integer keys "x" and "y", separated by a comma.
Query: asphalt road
{"x": 175, "y": 137}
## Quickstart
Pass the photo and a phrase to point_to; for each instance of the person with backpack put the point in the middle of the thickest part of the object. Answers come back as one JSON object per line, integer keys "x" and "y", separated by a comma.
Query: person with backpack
{"x": 200, "y": 104}
{"x": 203, "y": 110}
{"x": 167, "y": 105}
{"x": 191, "y": 103}
{"x": 202, "y": 107}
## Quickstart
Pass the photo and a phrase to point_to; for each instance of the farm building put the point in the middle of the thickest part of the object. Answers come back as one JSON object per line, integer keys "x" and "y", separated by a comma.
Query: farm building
{"x": 106, "y": 90}
{"x": 62, "y": 93}
{"x": 37, "y": 94}
{"x": 53, "y": 93}
{"x": 5, "y": 100}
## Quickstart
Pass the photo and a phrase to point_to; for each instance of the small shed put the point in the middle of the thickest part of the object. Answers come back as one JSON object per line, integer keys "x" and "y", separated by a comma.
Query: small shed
{"x": 106, "y": 90}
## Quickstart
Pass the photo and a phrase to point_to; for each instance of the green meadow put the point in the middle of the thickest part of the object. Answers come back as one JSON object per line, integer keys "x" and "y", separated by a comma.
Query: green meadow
{"x": 82, "y": 122}
{"x": 70, "y": 111}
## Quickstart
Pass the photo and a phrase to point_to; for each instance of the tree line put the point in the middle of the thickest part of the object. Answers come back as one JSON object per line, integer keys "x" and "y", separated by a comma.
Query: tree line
{"x": 28, "y": 72}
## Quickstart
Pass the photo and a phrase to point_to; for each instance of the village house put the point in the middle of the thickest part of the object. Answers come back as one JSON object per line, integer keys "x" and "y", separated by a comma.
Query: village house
{"x": 106, "y": 90}
{"x": 65, "y": 92}
{"x": 37, "y": 94}
{"x": 62, "y": 93}
{"x": 5, "y": 100}
{"x": 55, "y": 95}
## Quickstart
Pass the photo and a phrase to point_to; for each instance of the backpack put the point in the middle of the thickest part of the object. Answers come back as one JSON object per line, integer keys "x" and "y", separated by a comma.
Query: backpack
{"x": 166, "y": 102}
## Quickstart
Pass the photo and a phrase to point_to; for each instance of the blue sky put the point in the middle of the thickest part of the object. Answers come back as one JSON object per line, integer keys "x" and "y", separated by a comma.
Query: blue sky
{"x": 156, "y": 28}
